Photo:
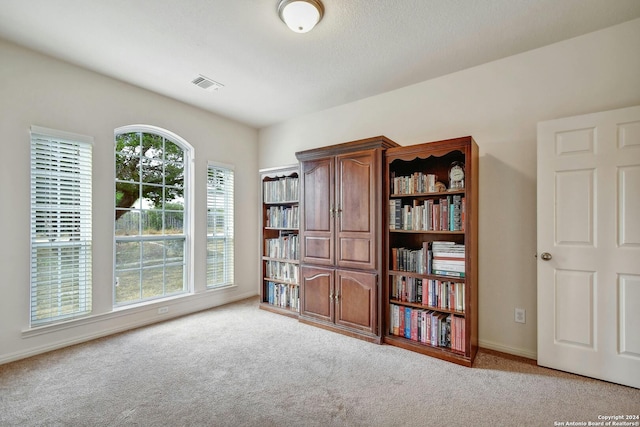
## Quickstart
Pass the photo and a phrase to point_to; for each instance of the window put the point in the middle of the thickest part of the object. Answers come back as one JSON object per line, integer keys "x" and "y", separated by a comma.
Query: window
{"x": 219, "y": 225}
{"x": 151, "y": 214}
{"x": 60, "y": 225}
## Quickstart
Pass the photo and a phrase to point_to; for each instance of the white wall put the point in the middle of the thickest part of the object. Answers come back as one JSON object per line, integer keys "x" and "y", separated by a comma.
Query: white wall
{"x": 499, "y": 104}
{"x": 38, "y": 90}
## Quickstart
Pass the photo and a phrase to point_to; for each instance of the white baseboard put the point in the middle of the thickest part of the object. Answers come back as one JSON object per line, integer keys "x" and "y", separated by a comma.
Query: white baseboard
{"x": 509, "y": 350}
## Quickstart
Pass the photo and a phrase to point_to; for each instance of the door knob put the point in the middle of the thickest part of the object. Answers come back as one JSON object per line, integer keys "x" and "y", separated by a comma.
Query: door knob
{"x": 546, "y": 256}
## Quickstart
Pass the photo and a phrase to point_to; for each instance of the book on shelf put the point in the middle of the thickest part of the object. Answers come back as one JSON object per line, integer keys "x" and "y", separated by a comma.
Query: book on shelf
{"x": 457, "y": 334}
{"x": 287, "y": 246}
{"x": 413, "y": 260}
{"x": 444, "y": 294}
{"x": 459, "y": 274}
{"x": 281, "y": 190}
{"x": 428, "y": 327}
{"x": 282, "y": 217}
{"x": 415, "y": 183}
{"x": 440, "y": 258}
{"x": 448, "y": 259}
{"x": 279, "y": 270}
{"x": 427, "y": 215}
{"x": 453, "y": 266}
{"x": 283, "y": 295}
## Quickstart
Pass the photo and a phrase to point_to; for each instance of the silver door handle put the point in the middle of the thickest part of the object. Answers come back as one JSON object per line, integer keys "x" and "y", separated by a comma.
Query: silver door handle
{"x": 546, "y": 256}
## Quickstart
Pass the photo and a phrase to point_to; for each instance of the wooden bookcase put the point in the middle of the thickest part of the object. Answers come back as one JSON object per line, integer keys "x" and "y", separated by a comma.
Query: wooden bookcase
{"x": 279, "y": 227}
{"x": 433, "y": 314}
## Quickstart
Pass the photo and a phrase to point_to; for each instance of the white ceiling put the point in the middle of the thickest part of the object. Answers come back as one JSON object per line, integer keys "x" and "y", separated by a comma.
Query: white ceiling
{"x": 361, "y": 47}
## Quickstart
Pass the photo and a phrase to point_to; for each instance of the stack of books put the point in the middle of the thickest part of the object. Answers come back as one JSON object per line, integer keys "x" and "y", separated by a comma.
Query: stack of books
{"x": 448, "y": 259}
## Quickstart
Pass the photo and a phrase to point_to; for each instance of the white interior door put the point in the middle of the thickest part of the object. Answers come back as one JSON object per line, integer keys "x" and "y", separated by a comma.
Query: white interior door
{"x": 589, "y": 245}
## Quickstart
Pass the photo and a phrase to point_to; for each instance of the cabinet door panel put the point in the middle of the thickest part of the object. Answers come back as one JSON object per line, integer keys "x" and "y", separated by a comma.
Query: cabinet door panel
{"x": 316, "y": 293}
{"x": 356, "y": 300}
{"x": 317, "y": 222}
{"x": 357, "y": 197}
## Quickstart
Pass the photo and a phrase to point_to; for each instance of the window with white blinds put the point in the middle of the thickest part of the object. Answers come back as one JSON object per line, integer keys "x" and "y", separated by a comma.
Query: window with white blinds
{"x": 60, "y": 225}
{"x": 219, "y": 225}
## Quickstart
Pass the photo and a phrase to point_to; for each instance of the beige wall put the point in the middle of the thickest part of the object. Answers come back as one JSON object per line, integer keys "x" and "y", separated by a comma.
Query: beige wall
{"x": 38, "y": 90}
{"x": 499, "y": 104}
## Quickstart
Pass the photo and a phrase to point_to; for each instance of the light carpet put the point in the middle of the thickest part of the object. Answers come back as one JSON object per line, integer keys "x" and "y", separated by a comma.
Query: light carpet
{"x": 237, "y": 365}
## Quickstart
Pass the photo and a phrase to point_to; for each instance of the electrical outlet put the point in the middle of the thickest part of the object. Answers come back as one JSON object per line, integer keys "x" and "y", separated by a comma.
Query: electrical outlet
{"x": 163, "y": 310}
{"x": 520, "y": 315}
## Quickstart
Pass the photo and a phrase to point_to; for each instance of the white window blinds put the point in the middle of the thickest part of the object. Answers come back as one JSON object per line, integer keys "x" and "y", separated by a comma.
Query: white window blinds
{"x": 60, "y": 225}
{"x": 220, "y": 225}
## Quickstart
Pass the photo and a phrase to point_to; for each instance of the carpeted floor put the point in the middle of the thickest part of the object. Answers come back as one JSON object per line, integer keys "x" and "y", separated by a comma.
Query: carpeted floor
{"x": 237, "y": 365}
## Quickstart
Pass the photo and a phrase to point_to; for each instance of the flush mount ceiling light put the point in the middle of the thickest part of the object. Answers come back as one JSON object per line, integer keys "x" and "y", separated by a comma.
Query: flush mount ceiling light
{"x": 300, "y": 15}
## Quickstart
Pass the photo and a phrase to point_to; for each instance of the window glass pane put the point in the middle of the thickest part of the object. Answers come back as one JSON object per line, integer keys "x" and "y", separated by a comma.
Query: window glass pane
{"x": 175, "y": 279}
{"x": 153, "y": 282}
{"x": 173, "y": 153}
{"x": 127, "y": 222}
{"x": 175, "y": 251}
{"x": 174, "y": 174}
{"x": 126, "y": 194}
{"x": 152, "y": 146}
{"x": 128, "y": 167}
{"x": 153, "y": 253}
{"x": 127, "y": 286}
{"x": 127, "y": 255}
{"x": 151, "y": 197}
{"x": 152, "y": 171}
{"x": 152, "y": 222}
{"x": 174, "y": 222}
{"x": 128, "y": 143}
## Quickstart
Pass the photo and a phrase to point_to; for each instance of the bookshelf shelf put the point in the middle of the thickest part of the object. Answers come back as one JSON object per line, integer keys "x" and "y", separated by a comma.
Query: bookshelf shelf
{"x": 279, "y": 255}
{"x": 430, "y": 294}
{"x": 281, "y": 281}
{"x": 426, "y": 307}
{"x": 289, "y": 260}
{"x": 431, "y": 194}
{"x": 424, "y": 276}
{"x": 427, "y": 232}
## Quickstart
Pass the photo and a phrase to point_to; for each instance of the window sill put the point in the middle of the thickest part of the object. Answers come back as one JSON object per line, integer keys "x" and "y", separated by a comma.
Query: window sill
{"x": 119, "y": 312}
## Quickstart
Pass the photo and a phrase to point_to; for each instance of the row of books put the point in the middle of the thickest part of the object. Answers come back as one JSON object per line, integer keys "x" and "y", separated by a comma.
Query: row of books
{"x": 428, "y": 327}
{"x": 439, "y": 258}
{"x": 286, "y": 246}
{"x": 446, "y": 215}
{"x": 413, "y": 260}
{"x": 281, "y": 190}
{"x": 417, "y": 182}
{"x": 282, "y": 217}
{"x": 283, "y": 295}
{"x": 282, "y": 271}
{"x": 428, "y": 292}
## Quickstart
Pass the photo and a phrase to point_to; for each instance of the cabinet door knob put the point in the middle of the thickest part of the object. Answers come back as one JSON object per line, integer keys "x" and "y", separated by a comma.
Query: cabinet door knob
{"x": 546, "y": 256}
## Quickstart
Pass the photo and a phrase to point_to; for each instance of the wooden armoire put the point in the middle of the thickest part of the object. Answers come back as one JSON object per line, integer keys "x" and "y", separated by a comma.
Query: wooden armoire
{"x": 341, "y": 236}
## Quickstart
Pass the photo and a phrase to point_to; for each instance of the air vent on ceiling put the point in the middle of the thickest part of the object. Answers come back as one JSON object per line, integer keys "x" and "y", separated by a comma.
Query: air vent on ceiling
{"x": 206, "y": 83}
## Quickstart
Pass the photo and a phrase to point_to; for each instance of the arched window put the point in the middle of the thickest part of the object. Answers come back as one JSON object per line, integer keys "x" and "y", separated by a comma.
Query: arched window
{"x": 151, "y": 214}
